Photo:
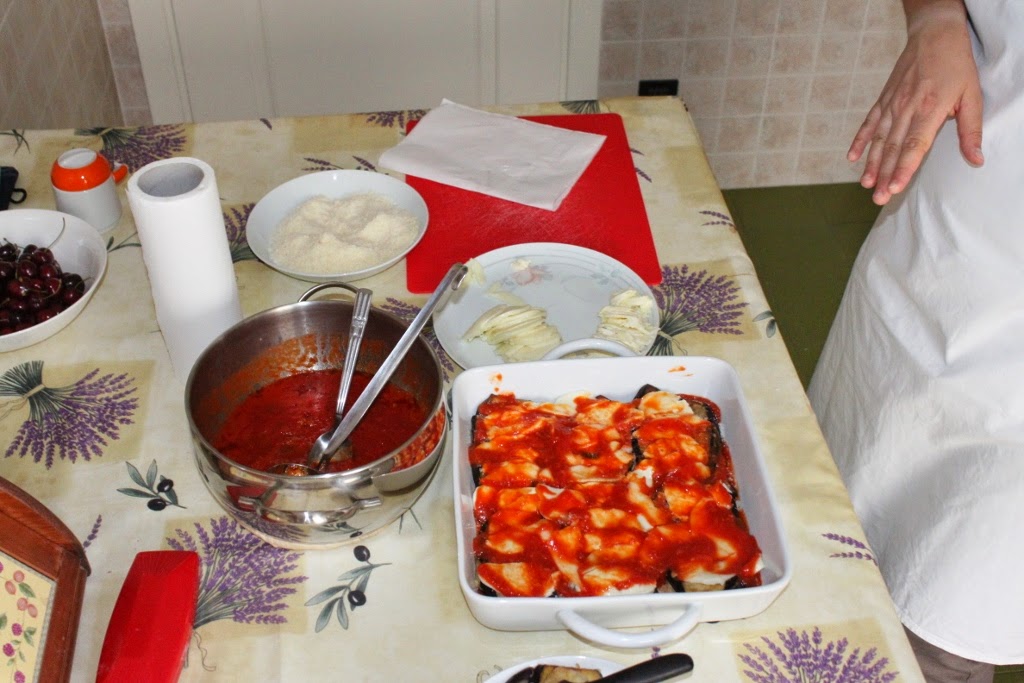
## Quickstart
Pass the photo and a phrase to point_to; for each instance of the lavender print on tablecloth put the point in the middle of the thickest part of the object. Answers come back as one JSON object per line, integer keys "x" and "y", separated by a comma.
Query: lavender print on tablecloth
{"x": 235, "y": 218}
{"x": 796, "y": 657}
{"x": 860, "y": 550}
{"x": 67, "y": 422}
{"x": 695, "y": 301}
{"x": 243, "y": 578}
{"x": 407, "y": 312}
{"x": 395, "y": 119}
{"x": 325, "y": 165}
{"x": 136, "y": 147}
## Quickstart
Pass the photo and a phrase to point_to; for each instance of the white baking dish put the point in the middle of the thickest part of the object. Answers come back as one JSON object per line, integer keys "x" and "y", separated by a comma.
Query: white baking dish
{"x": 593, "y": 618}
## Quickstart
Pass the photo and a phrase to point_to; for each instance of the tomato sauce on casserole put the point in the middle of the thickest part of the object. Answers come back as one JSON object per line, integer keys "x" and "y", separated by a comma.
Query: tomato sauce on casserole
{"x": 589, "y": 496}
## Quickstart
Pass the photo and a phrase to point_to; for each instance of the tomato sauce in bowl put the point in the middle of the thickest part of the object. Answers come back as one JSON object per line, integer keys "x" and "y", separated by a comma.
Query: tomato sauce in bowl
{"x": 279, "y": 422}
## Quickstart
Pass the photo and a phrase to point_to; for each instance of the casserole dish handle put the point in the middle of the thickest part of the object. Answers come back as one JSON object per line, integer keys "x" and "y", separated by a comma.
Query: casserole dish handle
{"x": 609, "y": 638}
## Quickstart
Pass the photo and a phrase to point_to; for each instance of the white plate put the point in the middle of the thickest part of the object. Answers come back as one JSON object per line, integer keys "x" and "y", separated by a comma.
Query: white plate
{"x": 602, "y": 665}
{"x": 277, "y": 204}
{"x": 572, "y": 283}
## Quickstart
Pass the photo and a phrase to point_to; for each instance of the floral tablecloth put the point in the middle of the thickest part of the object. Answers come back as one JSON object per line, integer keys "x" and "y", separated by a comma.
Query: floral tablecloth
{"x": 109, "y": 451}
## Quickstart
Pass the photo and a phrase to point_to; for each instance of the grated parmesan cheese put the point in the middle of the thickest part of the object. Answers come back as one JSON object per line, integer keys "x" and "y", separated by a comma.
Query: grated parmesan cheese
{"x": 325, "y": 235}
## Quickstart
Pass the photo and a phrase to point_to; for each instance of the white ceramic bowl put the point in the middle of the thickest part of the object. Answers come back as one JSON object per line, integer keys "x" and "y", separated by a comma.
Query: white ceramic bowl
{"x": 595, "y": 618}
{"x": 80, "y": 249}
{"x": 277, "y": 204}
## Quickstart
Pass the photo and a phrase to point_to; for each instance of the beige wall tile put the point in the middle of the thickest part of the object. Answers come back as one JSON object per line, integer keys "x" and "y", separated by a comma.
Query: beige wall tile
{"x": 780, "y": 132}
{"x": 620, "y": 20}
{"x": 744, "y": 96}
{"x": 121, "y": 45}
{"x": 750, "y": 56}
{"x": 662, "y": 58}
{"x": 617, "y": 88}
{"x": 738, "y": 134}
{"x": 708, "y": 18}
{"x": 703, "y": 97}
{"x": 794, "y": 54}
{"x": 787, "y": 94}
{"x": 663, "y": 19}
{"x": 880, "y": 50}
{"x": 824, "y": 131}
{"x": 800, "y": 16}
{"x": 706, "y": 57}
{"x": 132, "y": 86}
{"x": 115, "y": 12}
{"x": 619, "y": 61}
{"x": 814, "y": 167}
{"x": 756, "y": 17}
{"x": 707, "y": 129}
{"x": 829, "y": 92}
{"x": 138, "y": 117}
{"x": 844, "y": 15}
{"x": 775, "y": 168}
{"x": 884, "y": 15}
{"x": 837, "y": 52}
{"x": 733, "y": 170}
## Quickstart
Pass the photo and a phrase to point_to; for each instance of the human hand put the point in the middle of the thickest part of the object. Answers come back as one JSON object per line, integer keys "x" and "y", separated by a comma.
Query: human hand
{"x": 935, "y": 78}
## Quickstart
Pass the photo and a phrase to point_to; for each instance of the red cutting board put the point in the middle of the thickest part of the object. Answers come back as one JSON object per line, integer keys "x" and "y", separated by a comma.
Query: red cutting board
{"x": 604, "y": 211}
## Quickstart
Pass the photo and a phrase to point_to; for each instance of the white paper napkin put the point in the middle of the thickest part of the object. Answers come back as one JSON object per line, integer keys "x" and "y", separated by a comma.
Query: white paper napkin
{"x": 502, "y": 156}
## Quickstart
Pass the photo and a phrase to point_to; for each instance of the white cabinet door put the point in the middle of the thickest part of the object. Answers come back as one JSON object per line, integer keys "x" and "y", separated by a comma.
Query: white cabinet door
{"x": 237, "y": 59}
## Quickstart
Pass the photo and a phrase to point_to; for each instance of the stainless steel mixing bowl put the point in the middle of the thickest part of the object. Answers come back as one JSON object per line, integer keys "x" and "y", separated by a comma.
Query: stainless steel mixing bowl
{"x": 323, "y": 510}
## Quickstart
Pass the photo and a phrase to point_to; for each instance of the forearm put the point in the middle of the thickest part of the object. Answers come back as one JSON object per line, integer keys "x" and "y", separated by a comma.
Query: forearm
{"x": 919, "y": 12}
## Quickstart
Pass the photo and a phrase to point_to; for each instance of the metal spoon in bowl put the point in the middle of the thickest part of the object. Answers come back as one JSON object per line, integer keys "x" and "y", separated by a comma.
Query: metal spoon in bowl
{"x": 360, "y": 314}
{"x": 325, "y": 447}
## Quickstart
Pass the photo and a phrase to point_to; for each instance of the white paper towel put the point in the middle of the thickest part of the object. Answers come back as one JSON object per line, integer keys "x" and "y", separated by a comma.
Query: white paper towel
{"x": 177, "y": 212}
{"x": 503, "y": 156}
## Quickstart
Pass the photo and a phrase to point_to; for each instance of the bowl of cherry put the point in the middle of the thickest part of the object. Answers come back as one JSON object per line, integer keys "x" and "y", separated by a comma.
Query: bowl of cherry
{"x": 50, "y": 266}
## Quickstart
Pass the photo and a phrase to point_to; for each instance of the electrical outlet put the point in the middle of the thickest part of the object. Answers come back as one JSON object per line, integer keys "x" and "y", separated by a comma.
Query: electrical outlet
{"x": 659, "y": 87}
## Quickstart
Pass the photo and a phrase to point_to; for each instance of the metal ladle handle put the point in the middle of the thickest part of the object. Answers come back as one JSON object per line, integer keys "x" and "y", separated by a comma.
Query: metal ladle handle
{"x": 360, "y": 314}
{"x": 318, "y": 461}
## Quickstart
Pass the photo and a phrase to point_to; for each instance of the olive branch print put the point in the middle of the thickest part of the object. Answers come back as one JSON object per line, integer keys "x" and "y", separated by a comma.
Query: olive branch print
{"x": 352, "y": 591}
{"x": 158, "y": 494}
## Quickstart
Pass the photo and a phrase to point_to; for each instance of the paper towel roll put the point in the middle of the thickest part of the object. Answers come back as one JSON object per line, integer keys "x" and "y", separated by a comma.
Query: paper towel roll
{"x": 185, "y": 248}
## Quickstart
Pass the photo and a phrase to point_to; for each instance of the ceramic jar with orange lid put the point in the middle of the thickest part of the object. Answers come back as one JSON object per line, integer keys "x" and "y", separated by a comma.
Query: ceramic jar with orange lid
{"x": 84, "y": 185}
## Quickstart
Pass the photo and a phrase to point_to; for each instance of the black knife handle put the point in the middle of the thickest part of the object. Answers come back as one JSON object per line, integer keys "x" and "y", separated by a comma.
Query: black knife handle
{"x": 656, "y": 670}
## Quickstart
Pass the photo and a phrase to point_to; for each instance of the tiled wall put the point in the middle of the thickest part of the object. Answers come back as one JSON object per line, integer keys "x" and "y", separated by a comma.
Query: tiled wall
{"x": 777, "y": 88}
{"x": 54, "y": 68}
{"x": 124, "y": 58}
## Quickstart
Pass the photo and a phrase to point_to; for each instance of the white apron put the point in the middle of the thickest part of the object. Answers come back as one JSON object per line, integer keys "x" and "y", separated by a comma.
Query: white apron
{"x": 920, "y": 387}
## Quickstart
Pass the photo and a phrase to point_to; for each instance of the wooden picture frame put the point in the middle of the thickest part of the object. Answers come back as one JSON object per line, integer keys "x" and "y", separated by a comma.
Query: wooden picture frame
{"x": 39, "y": 550}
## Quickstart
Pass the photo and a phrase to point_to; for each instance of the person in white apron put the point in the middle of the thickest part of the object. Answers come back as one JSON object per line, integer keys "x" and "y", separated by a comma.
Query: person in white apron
{"x": 920, "y": 387}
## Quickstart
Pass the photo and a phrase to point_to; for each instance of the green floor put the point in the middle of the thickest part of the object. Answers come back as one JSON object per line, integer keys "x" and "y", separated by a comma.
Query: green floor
{"x": 803, "y": 241}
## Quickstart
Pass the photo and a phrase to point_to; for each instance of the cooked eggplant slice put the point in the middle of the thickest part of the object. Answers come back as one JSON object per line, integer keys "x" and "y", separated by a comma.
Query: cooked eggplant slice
{"x": 644, "y": 390}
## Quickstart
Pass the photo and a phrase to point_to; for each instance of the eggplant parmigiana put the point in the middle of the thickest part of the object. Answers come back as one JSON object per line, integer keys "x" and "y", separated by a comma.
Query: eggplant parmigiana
{"x": 587, "y": 496}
